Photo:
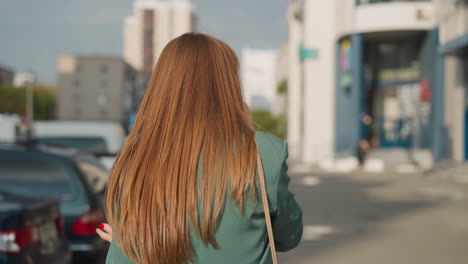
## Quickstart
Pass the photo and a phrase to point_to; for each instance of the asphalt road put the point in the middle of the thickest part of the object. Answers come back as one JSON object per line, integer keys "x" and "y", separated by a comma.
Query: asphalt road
{"x": 344, "y": 223}
{"x": 384, "y": 219}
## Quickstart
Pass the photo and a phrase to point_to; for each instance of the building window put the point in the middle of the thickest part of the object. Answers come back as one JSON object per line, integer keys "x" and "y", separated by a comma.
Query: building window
{"x": 78, "y": 68}
{"x": 76, "y": 83}
{"x": 76, "y": 98}
{"x": 77, "y": 113}
{"x": 103, "y": 113}
{"x": 104, "y": 68}
{"x": 102, "y": 100}
{"x": 103, "y": 84}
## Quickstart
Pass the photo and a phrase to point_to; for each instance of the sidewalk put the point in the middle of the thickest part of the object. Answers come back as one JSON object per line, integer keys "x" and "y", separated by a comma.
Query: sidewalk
{"x": 392, "y": 160}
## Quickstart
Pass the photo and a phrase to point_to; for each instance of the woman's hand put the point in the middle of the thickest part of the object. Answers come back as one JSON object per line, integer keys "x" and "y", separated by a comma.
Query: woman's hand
{"x": 105, "y": 232}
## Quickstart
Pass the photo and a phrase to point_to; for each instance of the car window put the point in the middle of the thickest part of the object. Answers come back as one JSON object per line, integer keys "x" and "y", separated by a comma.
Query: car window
{"x": 92, "y": 144}
{"x": 96, "y": 175}
{"x": 35, "y": 174}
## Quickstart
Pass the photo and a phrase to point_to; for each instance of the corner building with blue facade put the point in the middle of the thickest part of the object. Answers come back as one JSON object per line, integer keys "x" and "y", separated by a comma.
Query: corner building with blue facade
{"x": 396, "y": 67}
{"x": 452, "y": 19}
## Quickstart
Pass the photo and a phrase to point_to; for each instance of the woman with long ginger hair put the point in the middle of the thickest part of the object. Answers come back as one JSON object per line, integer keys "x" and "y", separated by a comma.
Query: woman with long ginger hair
{"x": 184, "y": 187}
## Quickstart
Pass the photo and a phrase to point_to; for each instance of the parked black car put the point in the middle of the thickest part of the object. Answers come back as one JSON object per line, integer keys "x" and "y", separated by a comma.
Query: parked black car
{"x": 77, "y": 179}
{"x": 31, "y": 231}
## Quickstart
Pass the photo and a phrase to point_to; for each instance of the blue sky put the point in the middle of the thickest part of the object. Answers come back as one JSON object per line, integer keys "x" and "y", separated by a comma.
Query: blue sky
{"x": 34, "y": 32}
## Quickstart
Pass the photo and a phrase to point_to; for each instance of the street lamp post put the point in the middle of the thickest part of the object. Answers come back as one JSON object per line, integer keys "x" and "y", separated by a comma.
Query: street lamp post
{"x": 30, "y": 98}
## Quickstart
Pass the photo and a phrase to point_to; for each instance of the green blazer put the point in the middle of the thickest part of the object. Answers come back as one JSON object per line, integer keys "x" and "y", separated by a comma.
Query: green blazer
{"x": 244, "y": 239}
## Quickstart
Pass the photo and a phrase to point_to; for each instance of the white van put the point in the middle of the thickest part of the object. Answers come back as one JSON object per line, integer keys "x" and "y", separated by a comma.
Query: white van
{"x": 104, "y": 138}
{"x": 8, "y": 124}
{"x": 98, "y": 136}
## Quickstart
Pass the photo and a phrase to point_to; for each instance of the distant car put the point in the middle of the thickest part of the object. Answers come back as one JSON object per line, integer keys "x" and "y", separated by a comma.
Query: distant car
{"x": 31, "y": 231}
{"x": 104, "y": 139}
{"x": 78, "y": 180}
{"x": 98, "y": 137}
{"x": 107, "y": 160}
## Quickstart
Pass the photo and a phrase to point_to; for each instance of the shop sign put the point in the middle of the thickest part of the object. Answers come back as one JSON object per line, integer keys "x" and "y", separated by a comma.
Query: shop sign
{"x": 307, "y": 53}
{"x": 345, "y": 65}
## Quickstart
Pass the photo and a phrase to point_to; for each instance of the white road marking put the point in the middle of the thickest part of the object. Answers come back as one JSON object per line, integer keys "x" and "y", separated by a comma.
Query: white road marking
{"x": 317, "y": 232}
{"x": 344, "y": 165}
{"x": 462, "y": 178}
{"x": 374, "y": 166}
{"x": 311, "y": 181}
{"x": 406, "y": 169}
{"x": 443, "y": 194}
{"x": 299, "y": 168}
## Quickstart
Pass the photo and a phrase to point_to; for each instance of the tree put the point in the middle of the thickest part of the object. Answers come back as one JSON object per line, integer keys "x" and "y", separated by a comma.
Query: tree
{"x": 282, "y": 87}
{"x": 265, "y": 121}
{"x": 13, "y": 101}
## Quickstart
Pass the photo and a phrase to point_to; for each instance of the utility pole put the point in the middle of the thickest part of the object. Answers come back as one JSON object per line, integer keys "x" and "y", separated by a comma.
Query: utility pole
{"x": 30, "y": 97}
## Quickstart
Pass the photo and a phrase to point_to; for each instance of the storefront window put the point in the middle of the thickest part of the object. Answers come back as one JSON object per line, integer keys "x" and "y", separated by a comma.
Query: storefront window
{"x": 393, "y": 61}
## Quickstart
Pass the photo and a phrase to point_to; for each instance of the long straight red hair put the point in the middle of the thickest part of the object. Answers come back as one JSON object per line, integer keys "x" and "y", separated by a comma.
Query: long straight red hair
{"x": 192, "y": 117}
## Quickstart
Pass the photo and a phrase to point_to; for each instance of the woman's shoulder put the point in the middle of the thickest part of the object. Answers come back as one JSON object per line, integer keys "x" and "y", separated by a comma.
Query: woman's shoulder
{"x": 274, "y": 153}
{"x": 116, "y": 256}
{"x": 271, "y": 142}
{"x": 271, "y": 146}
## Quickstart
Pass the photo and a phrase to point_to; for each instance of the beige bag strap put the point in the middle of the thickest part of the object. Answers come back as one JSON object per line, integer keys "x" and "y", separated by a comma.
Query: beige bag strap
{"x": 266, "y": 208}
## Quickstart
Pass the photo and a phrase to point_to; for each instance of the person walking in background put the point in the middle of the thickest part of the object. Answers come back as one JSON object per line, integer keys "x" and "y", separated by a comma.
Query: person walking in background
{"x": 364, "y": 144}
{"x": 362, "y": 150}
{"x": 184, "y": 188}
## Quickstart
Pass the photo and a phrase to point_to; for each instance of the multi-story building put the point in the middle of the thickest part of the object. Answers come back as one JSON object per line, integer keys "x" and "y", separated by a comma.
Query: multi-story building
{"x": 152, "y": 25}
{"x": 259, "y": 77}
{"x": 361, "y": 60}
{"x": 6, "y": 75}
{"x": 452, "y": 17}
{"x": 96, "y": 88}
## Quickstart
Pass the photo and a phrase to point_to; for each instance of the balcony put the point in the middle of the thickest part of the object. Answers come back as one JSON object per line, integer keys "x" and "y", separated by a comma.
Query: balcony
{"x": 394, "y": 15}
{"x": 365, "y": 2}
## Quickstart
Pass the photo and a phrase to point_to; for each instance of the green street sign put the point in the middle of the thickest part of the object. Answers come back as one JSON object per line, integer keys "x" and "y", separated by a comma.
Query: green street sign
{"x": 307, "y": 53}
